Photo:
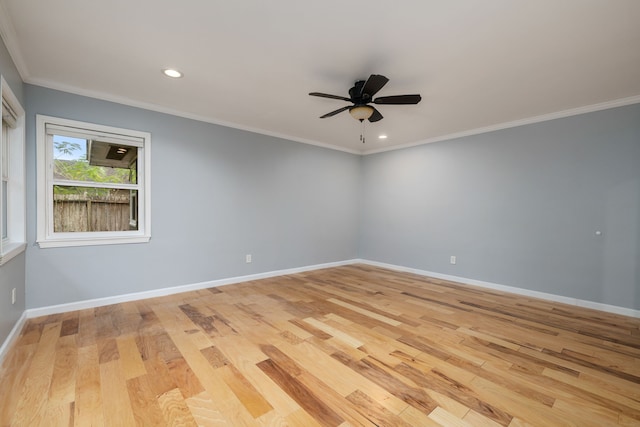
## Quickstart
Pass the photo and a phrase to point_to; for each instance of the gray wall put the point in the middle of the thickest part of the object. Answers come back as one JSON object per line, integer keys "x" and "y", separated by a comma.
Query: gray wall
{"x": 12, "y": 274}
{"x": 217, "y": 194}
{"x": 518, "y": 207}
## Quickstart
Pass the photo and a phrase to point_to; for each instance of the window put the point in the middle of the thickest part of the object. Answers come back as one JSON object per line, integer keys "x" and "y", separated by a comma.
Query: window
{"x": 5, "y": 178}
{"x": 93, "y": 184}
{"x": 12, "y": 176}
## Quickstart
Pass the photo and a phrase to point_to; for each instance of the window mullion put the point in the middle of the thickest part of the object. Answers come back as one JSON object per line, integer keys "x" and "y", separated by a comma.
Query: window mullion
{"x": 91, "y": 184}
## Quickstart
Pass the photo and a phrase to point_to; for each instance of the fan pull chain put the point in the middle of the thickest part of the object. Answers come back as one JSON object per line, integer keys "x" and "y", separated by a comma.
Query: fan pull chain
{"x": 362, "y": 132}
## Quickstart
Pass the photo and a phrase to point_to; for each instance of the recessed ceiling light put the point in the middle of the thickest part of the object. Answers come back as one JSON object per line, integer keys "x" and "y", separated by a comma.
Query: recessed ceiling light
{"x": 170, "y": 72}
{"x": 382, "y": 136}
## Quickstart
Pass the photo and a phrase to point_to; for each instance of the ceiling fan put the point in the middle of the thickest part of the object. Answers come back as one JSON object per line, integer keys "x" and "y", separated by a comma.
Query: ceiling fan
{"x": 361, "y": 95}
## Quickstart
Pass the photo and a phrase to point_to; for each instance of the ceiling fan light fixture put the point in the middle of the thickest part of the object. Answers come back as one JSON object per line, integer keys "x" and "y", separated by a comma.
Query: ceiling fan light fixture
{"x": 361, "y": 112}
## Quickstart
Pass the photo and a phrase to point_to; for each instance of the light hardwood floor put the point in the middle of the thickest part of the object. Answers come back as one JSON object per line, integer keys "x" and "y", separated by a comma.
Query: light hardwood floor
{"x": 346, "y": 346}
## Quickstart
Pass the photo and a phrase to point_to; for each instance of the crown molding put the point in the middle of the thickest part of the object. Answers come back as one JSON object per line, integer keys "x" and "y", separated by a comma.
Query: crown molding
{"x": 10, "y": 38}
{"x": 527, "y": 121}
{"x": 160, "y": 109}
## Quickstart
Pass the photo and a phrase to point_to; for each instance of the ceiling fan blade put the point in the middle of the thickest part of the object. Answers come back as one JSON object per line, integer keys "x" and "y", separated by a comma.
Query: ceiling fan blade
{"x": 398, "y": 99}
{"x": 375, "y": 116}
{"x": 326, "y": 95}
{"x": 333, "y": 113}
{"x": 374, "y": 83}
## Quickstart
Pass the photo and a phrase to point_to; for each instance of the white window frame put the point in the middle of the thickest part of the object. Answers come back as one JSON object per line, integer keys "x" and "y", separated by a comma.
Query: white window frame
{"x": 46, "y": 236}
{"x": 12, "y": 169}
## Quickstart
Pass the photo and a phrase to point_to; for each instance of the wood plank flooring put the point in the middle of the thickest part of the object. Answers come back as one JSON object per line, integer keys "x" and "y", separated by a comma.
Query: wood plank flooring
{"x": 346, "y": 346}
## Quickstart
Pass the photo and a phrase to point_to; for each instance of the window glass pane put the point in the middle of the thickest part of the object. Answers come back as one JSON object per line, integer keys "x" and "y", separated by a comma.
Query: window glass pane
{"x": 4, "y": 153}
{"x": 83, "y": 209}
{"x": 5, "y": 149}
{"x": 5, "y": 223}
{"x": 78, "y": 159}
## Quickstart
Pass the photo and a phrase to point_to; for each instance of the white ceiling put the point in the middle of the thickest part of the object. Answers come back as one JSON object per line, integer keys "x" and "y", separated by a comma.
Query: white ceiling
{"x": 250, "y": 64}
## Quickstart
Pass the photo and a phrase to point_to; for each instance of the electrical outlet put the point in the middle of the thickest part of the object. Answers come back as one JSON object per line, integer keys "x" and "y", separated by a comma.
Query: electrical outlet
{"x": 453, "y": 259}
{"x": 13, "y": 296}
{"x": 247, "y": 258}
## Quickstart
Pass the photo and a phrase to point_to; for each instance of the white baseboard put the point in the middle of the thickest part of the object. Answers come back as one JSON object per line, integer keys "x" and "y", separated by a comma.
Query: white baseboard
{"x": 13, "y": 336}
{"x": 514, "y": 290}
{"x": 99, "y": 302}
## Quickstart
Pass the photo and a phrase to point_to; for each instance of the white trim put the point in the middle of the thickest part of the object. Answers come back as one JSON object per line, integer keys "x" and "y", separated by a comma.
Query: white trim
{"x": 16, "y": 189}
{"x": 13, "y": 336}
{"x": 10, "y": 38}
{"x": 511, "y": 289}
{"x": 130, "y": 136}
{"x": 72, "y": 129}
{"x": 160, "y": 109}
{"x": 621, "y": 102}
{"x": 11, "y": 250}
{"x": 99, "y": 302}
{"x": 66, "y": 243}
{"x": 46, "y": 236}
{"x": 527, "y": 121}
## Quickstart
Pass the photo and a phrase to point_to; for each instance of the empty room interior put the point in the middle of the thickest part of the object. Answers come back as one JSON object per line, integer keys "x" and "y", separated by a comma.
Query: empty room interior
{"x": 418, "y": 213}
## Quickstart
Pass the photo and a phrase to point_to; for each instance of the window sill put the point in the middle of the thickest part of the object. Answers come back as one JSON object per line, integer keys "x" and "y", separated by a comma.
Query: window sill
{"x": 11, "y": 250}
{"x": 62, "y": 243}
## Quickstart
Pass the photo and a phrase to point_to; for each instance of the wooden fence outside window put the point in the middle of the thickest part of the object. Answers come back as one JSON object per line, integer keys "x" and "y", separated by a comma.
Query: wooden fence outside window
{"x": 80, "y": 213}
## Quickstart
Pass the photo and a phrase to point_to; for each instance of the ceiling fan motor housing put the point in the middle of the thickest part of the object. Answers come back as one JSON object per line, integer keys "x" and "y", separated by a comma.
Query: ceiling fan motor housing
{"x": 356, "y": 95}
